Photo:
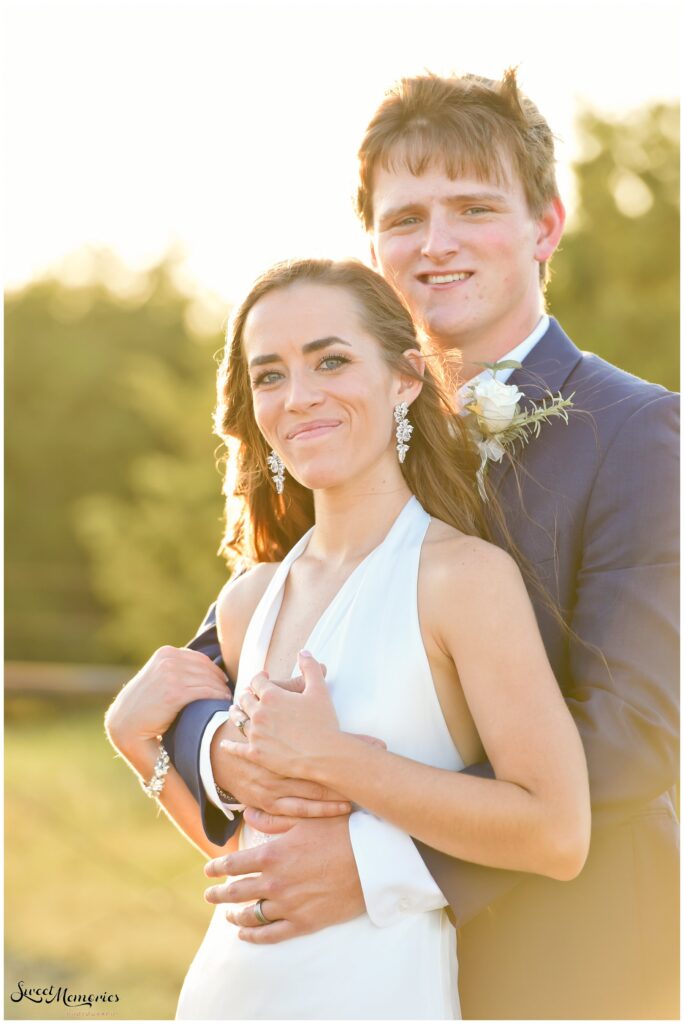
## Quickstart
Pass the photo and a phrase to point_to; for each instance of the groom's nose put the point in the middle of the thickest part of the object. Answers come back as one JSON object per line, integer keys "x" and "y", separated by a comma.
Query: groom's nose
{"x": 440, "y": 240}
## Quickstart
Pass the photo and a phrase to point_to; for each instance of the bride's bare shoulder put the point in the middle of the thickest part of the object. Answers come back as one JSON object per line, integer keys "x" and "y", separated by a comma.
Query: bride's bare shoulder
{"x": 235, "y": 606}
{"x": 449, "y": 554}
{"x": 240, "y": 596}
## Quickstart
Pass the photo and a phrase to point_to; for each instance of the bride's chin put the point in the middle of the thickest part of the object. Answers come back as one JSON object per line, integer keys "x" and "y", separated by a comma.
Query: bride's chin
{"x": 321, "y": 479}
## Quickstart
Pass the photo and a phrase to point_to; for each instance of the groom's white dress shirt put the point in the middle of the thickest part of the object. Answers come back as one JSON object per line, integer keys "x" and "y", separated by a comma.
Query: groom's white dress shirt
{"x": 394, "y": 878}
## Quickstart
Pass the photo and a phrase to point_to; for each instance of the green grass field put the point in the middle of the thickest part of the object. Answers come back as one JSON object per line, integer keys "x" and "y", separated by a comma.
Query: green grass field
{"x": 101, "y": 893}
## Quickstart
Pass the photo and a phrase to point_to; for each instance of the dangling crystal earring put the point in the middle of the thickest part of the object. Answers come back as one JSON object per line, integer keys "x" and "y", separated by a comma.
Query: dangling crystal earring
{"x": 404, "y": 429}
{"x": 277, "y": 468}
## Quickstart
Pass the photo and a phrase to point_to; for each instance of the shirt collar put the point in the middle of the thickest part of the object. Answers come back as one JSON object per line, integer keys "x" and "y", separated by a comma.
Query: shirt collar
{"x": 518, "y": 353}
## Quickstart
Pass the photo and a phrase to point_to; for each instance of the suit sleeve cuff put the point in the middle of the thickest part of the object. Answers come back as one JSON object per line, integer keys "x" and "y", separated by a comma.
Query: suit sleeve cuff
{"x": 394, "y": 878}
{"x": 205, "y": 769}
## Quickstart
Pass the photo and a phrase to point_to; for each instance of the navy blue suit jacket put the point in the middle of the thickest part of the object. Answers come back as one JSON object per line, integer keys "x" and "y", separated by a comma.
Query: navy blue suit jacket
{"x": 593, "y": 506}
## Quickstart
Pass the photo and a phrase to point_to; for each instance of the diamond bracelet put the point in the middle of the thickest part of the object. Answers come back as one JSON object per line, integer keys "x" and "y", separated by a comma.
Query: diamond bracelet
{"x": 154, "y": 787}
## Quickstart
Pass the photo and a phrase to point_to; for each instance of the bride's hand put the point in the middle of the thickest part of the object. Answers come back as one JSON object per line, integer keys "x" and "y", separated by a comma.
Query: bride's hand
{"x": 148, "y": 703}
{"x": 287, "y": 731}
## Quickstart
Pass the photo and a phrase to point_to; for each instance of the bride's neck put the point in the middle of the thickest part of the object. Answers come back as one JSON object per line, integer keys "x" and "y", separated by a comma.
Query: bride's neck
{"x": 353, "y": 519}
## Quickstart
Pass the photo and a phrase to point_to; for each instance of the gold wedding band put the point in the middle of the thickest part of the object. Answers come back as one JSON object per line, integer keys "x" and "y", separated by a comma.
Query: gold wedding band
{"x": 259, "y": 914}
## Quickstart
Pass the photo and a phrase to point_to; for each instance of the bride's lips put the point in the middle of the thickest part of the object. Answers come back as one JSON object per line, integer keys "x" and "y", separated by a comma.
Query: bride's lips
{"x": 315, "y": 428}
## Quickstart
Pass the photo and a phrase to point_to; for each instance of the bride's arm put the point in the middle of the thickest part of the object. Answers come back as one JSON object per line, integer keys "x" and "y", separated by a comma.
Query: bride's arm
{"x": 176, "y": 799}
{"x": 534, "y": 816}
{"x": 143, "y": 711}
{"x": 148, "y": 704}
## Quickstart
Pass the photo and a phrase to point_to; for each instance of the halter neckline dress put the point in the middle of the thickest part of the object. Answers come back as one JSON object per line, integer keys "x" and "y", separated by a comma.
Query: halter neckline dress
{"x": 381, "y": 684}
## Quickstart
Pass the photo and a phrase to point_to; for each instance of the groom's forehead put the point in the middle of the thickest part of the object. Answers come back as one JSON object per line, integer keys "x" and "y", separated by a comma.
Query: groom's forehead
{"x": 405, "y": 164}
{"x": 418, "y": 151}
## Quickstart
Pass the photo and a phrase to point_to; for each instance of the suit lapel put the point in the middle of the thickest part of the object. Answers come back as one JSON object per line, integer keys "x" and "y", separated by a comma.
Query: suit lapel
{"x": 548, "y": 365}
{"x": 546, "y": 369}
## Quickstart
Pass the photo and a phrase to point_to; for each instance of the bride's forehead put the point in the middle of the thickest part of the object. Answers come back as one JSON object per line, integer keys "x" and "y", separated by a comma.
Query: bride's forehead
{"x": 304, "y": 299}
{"x": 302, "y": 312}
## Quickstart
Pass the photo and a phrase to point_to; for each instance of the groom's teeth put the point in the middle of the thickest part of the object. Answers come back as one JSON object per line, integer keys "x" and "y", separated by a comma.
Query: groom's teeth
{"x": 446, "y": 278}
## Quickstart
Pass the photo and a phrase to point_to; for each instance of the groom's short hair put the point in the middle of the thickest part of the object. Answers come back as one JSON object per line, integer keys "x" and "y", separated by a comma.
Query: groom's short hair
{"x": 466, "y": 123}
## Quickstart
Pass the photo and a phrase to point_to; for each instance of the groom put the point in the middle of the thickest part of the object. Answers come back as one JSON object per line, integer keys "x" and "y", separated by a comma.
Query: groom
{"x": 458, "y": 194}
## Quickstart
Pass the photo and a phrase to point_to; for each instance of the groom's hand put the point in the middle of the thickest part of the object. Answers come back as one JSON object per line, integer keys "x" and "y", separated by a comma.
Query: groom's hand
{"x": 255, "y": 786}
{"x": 306, "y": 877}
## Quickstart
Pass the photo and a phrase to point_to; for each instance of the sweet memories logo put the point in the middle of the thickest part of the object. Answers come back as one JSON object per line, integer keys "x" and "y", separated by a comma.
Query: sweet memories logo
{"x": 61, "y": 994}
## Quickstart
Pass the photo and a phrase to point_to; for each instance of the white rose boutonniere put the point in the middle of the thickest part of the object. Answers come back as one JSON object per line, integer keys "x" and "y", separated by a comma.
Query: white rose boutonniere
{"x": 495, "y": 421}
{"x": 494, "y": 403}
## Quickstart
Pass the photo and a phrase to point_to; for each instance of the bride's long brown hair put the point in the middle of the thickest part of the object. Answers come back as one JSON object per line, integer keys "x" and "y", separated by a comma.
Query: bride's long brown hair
{"x": 440, "y": 468}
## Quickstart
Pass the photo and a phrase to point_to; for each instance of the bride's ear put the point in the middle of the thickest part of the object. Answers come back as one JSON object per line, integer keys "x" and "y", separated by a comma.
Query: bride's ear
{"x": 408, "y": 387}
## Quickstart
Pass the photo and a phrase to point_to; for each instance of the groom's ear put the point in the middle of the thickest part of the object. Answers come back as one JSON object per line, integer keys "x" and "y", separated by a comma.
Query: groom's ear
{"x": 549, "y": 230}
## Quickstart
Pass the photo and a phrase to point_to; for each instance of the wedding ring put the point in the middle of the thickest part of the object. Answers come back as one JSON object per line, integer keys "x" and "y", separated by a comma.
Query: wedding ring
{"x": 259, "y": 914}
{"x": 243, "y": 721}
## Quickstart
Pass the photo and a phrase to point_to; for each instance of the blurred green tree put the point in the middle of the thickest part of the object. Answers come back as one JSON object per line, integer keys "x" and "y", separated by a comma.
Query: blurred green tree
{"x": 109, "y": 394}
{"x": 153, "y": 551}
{"x": 615, "y": 285}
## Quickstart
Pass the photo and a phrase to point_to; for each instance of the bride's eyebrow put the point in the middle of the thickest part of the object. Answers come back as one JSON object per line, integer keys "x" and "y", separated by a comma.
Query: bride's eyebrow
{"x": 315, "y": 346}
{"x": 310, "y": 346}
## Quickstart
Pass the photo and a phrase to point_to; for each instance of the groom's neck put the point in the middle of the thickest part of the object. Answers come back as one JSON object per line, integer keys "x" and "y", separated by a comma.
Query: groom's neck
{"x": 491, "y": 342}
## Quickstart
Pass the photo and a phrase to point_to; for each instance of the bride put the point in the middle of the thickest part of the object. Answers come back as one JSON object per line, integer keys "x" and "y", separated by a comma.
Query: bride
{"x": 352, "y": 491}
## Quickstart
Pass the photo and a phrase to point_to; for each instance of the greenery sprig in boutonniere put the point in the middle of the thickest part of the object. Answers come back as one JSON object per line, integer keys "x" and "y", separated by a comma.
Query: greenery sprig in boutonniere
{"x": 495, "y": 421}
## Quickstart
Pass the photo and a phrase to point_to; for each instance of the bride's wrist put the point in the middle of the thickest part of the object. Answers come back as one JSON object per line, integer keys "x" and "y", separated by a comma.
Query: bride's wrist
{"x": 140, "y": 752}
{"x": 330, "y": 767}
{"x": 122, "y": 732}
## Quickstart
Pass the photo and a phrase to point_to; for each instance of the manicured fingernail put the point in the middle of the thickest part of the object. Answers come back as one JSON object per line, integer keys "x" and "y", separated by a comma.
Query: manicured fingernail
{"x": 305, "y": 654}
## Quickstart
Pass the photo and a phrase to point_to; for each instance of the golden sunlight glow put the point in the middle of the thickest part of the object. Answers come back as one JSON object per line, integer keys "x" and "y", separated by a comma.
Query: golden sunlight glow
{"x": 229, "y": 131}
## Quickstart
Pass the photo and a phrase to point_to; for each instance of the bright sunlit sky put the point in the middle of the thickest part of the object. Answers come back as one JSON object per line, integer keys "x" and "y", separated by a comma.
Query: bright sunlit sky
{"x": 229, "y": 130}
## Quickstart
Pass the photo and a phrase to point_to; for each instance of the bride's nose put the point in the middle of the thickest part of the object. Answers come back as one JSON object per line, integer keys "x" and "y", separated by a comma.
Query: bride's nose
{"x": 303, "y": 391}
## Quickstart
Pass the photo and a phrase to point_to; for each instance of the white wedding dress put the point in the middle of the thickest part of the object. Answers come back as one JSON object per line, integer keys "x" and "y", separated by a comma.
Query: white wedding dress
{"x": 380, "y": 681}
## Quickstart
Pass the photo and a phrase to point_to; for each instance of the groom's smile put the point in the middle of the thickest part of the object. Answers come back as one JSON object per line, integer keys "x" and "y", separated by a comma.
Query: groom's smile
{"x": 444, "y": 278}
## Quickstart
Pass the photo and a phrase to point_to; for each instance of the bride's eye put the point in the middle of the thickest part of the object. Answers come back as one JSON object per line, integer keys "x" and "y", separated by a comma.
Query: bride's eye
{"x": 333, "y": 362}
{"x": 265, "y": 378}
